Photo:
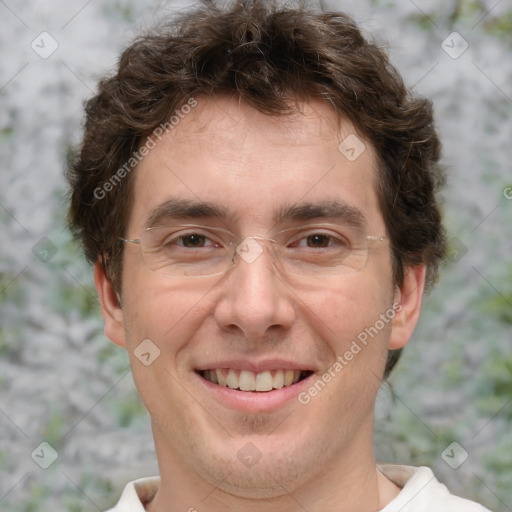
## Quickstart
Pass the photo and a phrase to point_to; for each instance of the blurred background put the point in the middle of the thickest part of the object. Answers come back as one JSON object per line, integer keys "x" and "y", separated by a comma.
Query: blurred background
{"x": 449, "y": 402}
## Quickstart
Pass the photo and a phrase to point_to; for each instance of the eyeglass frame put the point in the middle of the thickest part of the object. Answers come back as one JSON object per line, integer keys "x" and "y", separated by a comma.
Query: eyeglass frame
{"x": 138, "y": 241}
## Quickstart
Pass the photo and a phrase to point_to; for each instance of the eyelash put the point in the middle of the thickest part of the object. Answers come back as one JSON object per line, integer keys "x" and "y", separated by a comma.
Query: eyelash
{"x": 188, "y": 235}
{"x": 333, "y": 239}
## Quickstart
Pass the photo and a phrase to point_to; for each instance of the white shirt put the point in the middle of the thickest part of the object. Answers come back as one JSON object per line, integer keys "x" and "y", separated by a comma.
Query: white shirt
{"x": 421, "y": 492}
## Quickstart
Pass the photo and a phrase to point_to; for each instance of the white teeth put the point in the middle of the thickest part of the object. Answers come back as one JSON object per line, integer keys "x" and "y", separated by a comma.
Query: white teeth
{"x": 250, "y": 381}
{"x": 263, "y": 381}
{"x": 247, "y": 381}
{"x": 232, "y": 380}
{"x": 220, "y": 377}
{"x": 278, "y": 381}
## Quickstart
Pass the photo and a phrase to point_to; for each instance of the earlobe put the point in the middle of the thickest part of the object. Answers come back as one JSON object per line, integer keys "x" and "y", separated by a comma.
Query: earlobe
{"x": 408, "y": 298}
{"x": 110, "y": 305}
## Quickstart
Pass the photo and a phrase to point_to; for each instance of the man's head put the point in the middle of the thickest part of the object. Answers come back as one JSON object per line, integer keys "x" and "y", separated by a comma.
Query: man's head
{"x": 259, "y": 121}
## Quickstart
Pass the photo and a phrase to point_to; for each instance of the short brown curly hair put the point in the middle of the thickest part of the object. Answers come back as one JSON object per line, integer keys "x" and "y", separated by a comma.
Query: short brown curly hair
{"x": 271, "y": 57}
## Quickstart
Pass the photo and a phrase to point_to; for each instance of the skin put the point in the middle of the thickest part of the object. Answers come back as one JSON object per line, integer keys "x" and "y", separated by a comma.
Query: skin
{"x": 314, "y": 457}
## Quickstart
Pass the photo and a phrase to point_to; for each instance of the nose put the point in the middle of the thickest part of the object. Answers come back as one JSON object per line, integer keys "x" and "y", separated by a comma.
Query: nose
{"x": 255, "y": 302}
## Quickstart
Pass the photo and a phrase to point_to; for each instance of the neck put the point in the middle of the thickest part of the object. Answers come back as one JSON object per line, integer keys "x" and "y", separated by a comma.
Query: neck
{"x": 350, "y": 483}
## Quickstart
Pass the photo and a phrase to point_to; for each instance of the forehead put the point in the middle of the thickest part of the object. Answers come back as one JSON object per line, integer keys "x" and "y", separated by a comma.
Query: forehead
{"x": 253, "y": 165}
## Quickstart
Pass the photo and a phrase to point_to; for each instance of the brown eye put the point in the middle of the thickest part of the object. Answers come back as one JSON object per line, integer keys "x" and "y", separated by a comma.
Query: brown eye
{"x": 193, "y": 240}
{"x": 318, "y": 240}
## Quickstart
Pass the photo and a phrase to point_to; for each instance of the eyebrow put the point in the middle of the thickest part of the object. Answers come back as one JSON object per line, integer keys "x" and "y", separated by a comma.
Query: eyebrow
{"x": 176, "y": 208}
{"x": 329, "y": 209}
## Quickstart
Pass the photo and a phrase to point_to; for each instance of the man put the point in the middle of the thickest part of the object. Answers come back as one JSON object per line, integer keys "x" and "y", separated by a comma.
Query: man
{"x": 256, "y": 188}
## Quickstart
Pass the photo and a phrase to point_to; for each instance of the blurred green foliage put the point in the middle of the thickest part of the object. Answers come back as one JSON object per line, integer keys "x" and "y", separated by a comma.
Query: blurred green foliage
{"x": 494, "y": 392}
{"x": 55, "y": 426}
{"x": 122, "y": 8}
{"x": 500, "y": 304}
{"x": 38, "y": 493}
{"x": 463, "y": 12}
{"x": 500, "y": 27}
{"x": 129, "y": 409}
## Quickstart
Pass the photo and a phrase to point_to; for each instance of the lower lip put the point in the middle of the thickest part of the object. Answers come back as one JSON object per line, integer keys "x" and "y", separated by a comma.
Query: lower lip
{"x": 250, "y": 401}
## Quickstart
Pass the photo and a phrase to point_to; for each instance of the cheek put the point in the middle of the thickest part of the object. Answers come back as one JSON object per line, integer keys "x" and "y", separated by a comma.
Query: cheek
{"x": 159, "y": 310}
{"x": 346, "y": 313}
{"x": 156, "y": 310}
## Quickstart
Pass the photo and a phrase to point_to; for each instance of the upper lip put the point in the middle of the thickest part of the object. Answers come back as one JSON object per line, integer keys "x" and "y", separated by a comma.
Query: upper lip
{"x": 255, "y": 366}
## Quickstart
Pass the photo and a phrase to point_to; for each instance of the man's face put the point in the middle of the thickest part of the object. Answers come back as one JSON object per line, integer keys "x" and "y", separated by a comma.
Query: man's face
{"x": 256, "y": 318}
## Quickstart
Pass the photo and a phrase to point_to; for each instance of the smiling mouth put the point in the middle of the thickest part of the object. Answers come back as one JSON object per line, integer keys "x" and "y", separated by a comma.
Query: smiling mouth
{"x": 244, "y": 380}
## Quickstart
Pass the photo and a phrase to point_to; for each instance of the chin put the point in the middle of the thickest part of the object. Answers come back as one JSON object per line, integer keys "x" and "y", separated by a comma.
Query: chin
{"x": 266, "y": 480}
{"x": 275, "y": 469}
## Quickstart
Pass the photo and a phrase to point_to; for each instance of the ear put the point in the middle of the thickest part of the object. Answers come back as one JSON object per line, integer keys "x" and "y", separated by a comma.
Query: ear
{"x": 408, "y": 296}
{"x": 110, "y": 306}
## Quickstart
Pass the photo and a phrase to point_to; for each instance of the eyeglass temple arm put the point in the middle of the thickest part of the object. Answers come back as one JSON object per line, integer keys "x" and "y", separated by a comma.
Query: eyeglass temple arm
{"x": 130, "y": 241}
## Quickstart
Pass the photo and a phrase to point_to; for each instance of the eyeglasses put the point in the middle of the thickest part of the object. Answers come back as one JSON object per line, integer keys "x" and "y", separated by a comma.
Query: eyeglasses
{"x": 189, "y": 250}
